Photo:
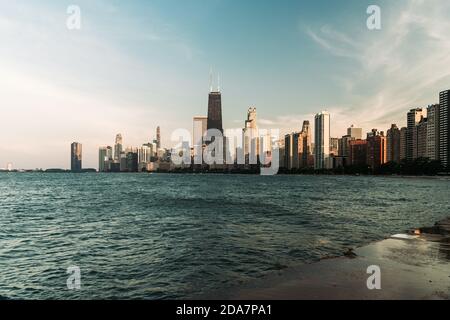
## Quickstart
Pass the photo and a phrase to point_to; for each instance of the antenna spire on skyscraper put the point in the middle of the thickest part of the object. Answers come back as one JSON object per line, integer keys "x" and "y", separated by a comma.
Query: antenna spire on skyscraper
{"x": 218, "y": 82}
{"x": 211, "y": 79}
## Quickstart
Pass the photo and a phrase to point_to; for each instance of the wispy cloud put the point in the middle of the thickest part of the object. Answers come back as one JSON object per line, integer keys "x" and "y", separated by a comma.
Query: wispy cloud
{"x": 402, "y": 66}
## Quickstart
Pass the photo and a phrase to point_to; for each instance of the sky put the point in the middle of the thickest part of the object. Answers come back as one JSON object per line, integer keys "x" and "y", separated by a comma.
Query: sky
{"x": 135, "y": 65}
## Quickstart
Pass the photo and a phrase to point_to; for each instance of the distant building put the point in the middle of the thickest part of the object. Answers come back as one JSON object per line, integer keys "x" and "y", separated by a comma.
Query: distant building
{"x": 251, "y": 137}
{"x": 282, "y": 153}
{"x": 76, "y": 157}
{"x": 306, "y": 158}
{"x": 158, "y": 138}
{"x": 132, "y": 161}
{"x": 291, "y": 150}
{"x": 118, "y": 147}
{"x": 344, "y": 146}
{"x": 322, "y": 158}
{"x": 444, "y": 130}
{"x": 413, "y": 118}
{"x": 123, "y": 162}
{"x": 433, "y": 132}
{"x": 355, "y": 133}
{"x": 200, "y": 126}
{"x": 358, "y": 153}
{"x": 105, "y": 159}
{"x": 393, "y": 144}
{"x": 420, "y": 139}
{"x": 376, "y": 149}
{"x": 334, "y": 147}
{"x": 215, "y": 111}
{"x": 403, "y": 143}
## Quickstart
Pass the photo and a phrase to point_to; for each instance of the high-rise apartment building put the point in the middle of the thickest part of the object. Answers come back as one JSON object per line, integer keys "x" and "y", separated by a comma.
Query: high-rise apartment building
{"x": 76, "y": 156}
{"x": 376, "y": 149}
{"x": 306, "y": 159}
{"x": 322, "y": 158}
{"x": 413, "y": 118}
{"x": 358, "y": 153}
{"x": 433, "y": 132}
{"x": 291, "y": 144}
{"x": 393, "y": 144}
{"x": 420, "y": 139}
{"x": 403, "y": 138}
{"x": 444, "y": 132}
{"x": 334, "y": 147}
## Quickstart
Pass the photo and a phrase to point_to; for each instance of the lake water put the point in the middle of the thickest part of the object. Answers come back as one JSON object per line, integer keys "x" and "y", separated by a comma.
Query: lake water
{"x": 159, "y": 236}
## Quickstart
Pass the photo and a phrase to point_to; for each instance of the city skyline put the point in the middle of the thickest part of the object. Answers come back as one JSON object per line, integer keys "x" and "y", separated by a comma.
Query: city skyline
{"x": 133, "y": 67}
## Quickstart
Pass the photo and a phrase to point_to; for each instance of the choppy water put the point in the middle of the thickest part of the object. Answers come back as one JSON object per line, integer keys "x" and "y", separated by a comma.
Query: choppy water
{"x": 138, "y": 236}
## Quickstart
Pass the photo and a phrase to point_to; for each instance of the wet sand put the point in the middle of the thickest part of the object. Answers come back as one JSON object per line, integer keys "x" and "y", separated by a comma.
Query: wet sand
{"x": 412, "y": 267}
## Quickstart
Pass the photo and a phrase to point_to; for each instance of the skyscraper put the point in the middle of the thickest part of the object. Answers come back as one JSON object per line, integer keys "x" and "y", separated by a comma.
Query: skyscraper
{"x": 354, "y": 133}
{"x": 215, "y": 122}
{"x": 118, "y": 147}
{"x": 200, "y": 125}
{"x": 376, "y": 149}
{"x": 420, "y": 139}
{"x": 403, "y": 138}
{"x": 334, "y": 147}
{"x": 215, "y": 111}
{"x": 444, "y": 131}
{"x": 76, "y": 157}
{"x": 393, "y": 144}
{"x": 304, "y": 148}
{"x": 158, "y": 138}
{"x": 433, "y": 132}
{"x": 104, "y": 159}
{"x": 251, "y": 137}
{"x": 322, "y": 158}
{"x": 358, "y": 153}
{"x": 414, "y": 116}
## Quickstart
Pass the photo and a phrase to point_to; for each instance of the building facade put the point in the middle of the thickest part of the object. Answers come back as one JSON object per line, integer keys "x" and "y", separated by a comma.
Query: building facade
{"x": 358, "y": 153}
{"x": 444, "y": 132}
{"x": 200, "y": 126}
{"x": 403, "y": 138}
{"x": 322, "y": 158}
{"x": 376, "y": 149}
{"x": 420, "y": 139}
{"x": 393, "y": 144}
{"x": 105, "y": 158}
{"x": 76, "y": 157}
{"x": 413, "y": 118}
{"x": 433, "y": 132}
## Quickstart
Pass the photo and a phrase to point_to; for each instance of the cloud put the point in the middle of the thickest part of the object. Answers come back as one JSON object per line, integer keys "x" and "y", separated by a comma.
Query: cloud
{"x": 402, "y": 66}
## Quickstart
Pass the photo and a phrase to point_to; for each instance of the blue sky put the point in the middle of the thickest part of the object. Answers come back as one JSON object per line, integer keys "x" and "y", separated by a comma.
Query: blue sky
{"x": 138, "y": 64}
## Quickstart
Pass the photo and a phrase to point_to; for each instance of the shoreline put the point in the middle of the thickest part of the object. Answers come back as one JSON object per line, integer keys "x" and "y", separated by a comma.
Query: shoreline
{"x": 438, "y": 177}
{"x": 413, "y": 266}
